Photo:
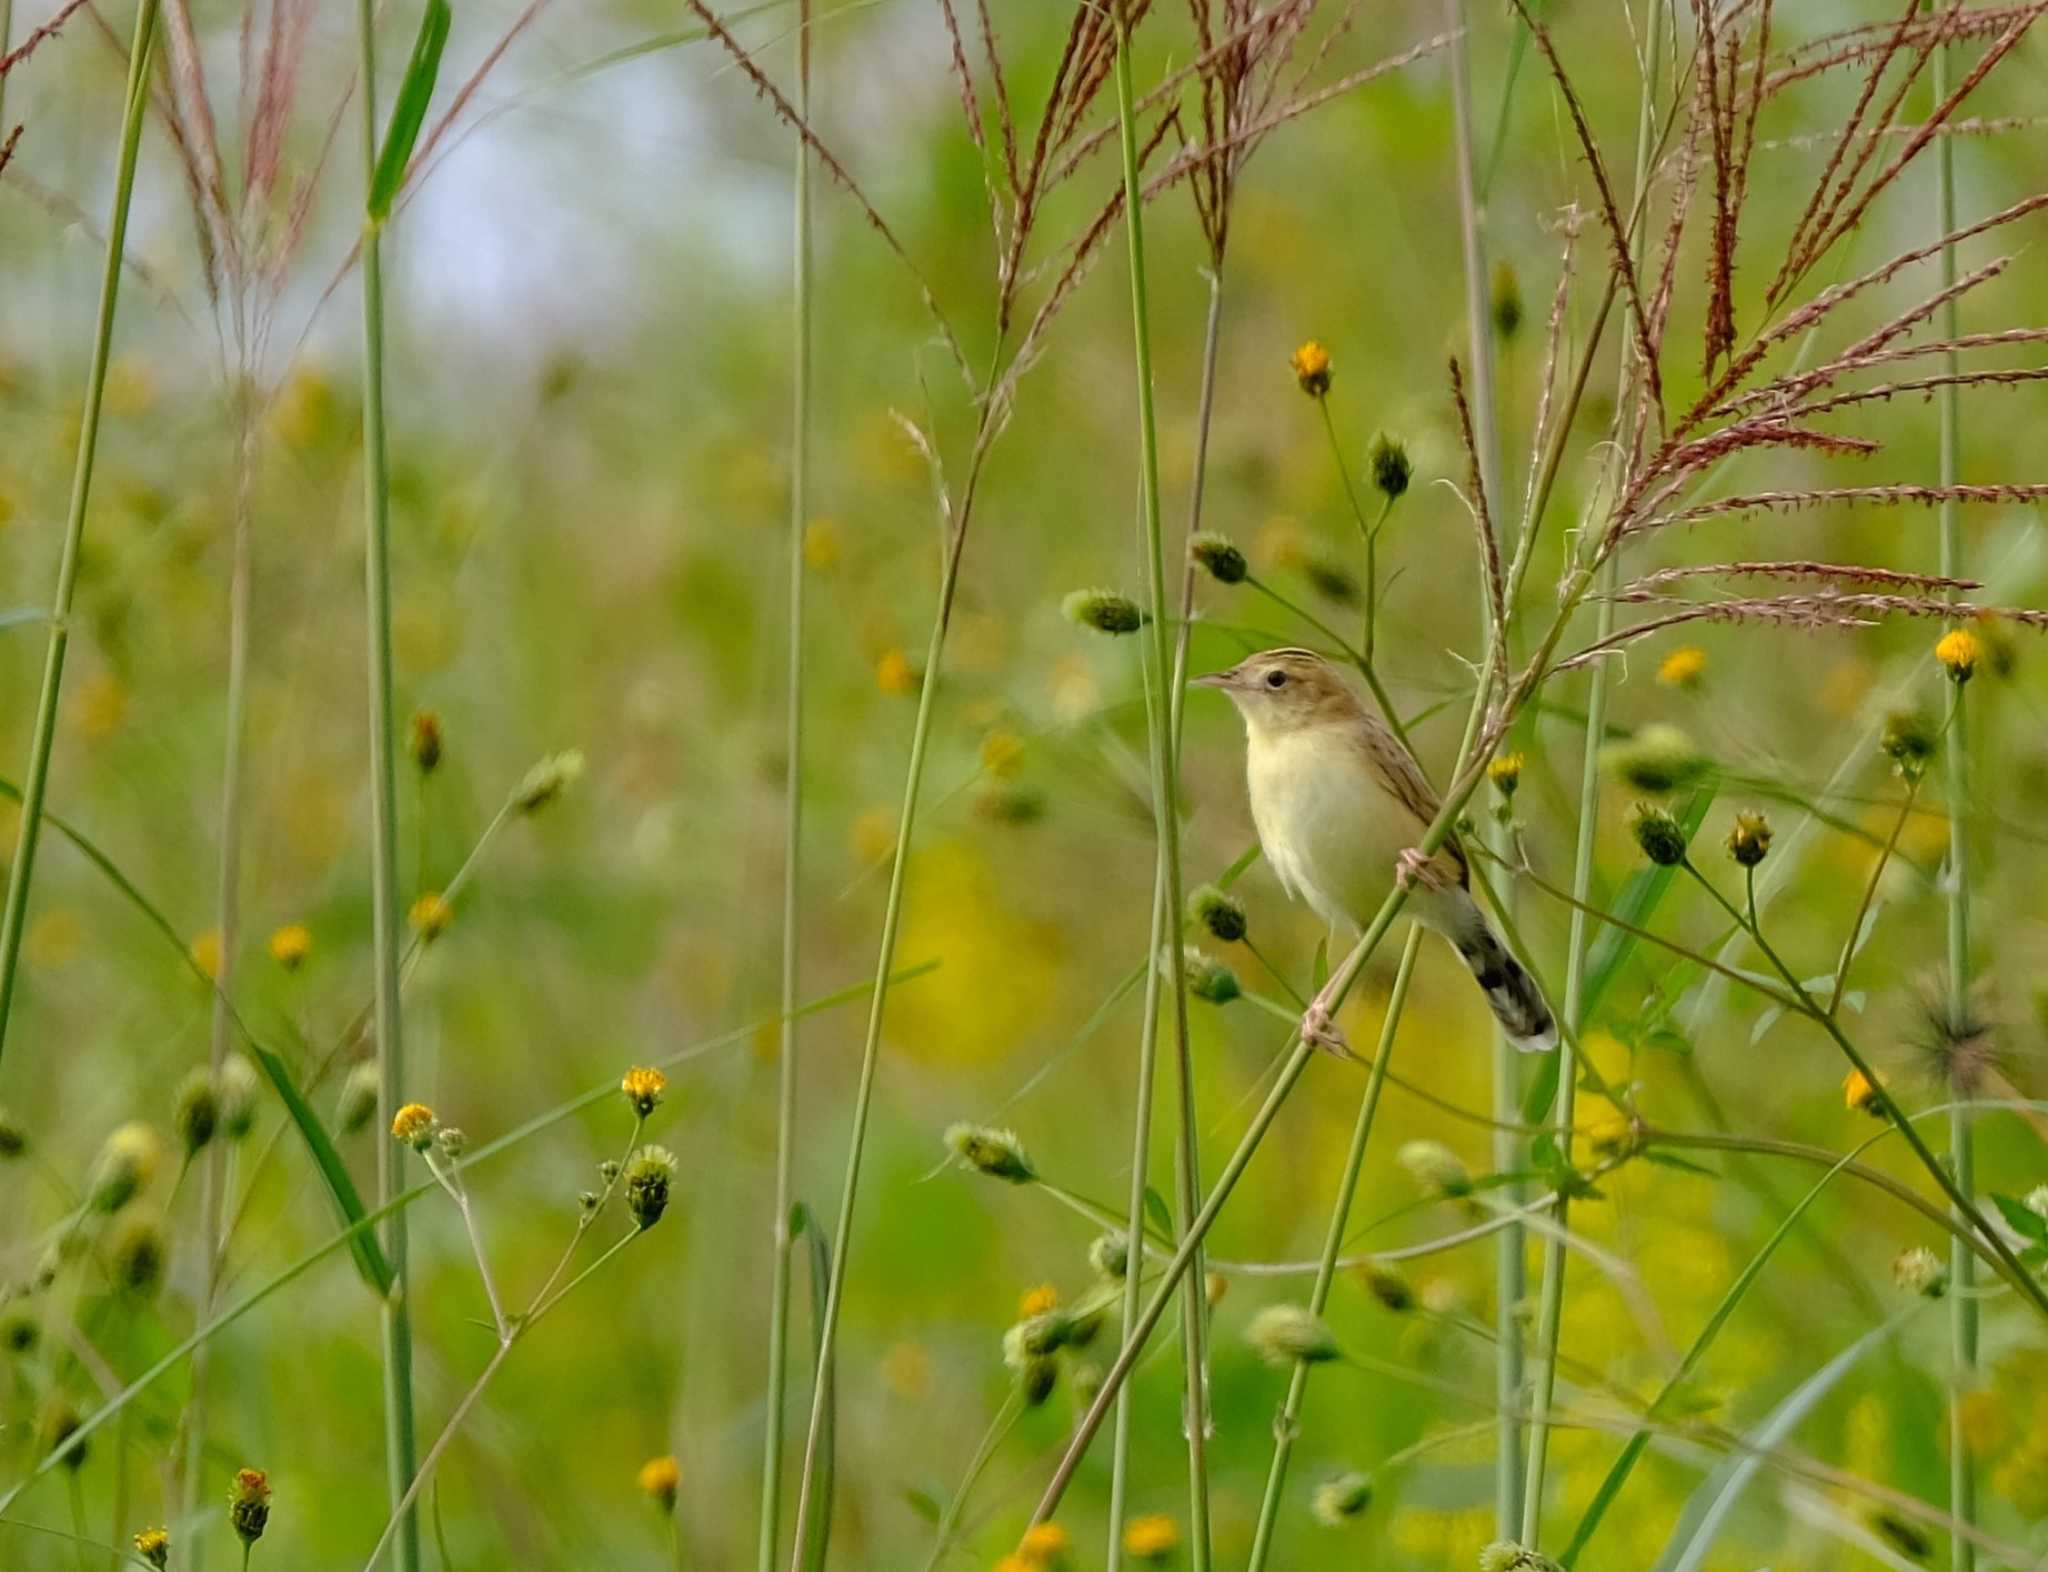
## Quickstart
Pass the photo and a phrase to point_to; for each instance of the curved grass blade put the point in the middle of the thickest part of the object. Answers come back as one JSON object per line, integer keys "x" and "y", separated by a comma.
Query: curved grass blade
{"x": 805, "y": 1223}
{"x": 341, "y": 1189}
{"x": 409, "y": 112}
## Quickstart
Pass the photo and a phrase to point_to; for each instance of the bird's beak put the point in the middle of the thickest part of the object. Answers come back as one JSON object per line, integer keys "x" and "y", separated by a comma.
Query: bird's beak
{"x": 1215, "y": 679}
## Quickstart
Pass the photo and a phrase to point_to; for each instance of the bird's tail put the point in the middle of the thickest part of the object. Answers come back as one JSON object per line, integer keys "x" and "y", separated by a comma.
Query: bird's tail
{"x": 1510, "y": 991}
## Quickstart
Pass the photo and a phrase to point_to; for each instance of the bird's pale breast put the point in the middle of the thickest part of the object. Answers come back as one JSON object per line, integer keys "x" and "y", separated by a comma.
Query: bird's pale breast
{"x": 1326, "y": 823}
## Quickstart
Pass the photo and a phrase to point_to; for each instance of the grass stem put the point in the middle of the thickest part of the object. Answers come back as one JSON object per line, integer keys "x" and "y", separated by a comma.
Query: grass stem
{"x": 792, "y": 824}
{"x": 42, "y": 743}
{"x": 400, "y": 1442}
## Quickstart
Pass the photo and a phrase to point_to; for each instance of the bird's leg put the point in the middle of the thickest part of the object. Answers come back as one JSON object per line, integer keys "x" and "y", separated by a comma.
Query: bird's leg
{"x": 1412, "y": 868}
{"x": 1319, "y": 1028}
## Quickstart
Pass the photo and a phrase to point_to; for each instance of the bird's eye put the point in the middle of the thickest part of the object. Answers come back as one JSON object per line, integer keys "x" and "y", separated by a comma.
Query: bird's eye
{"x": 1276, "y": 679}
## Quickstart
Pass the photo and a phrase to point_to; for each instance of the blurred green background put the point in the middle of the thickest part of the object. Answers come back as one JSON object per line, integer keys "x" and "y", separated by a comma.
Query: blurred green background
{"x": 589, "y": 399}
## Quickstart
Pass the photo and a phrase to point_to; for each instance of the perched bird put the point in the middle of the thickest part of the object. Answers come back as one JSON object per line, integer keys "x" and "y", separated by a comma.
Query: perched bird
{"x": 1339, "y": 806}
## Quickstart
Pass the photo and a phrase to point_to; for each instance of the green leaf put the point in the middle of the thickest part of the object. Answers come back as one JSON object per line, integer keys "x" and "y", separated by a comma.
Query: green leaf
{"x": 1157, "y": 1212}
{"x": 409, "y": 113}
{"x": 923, "y": 1503}
{"x": 1319, "y": 973}
{"x": 1667, "y": 1040}
{"x": 1637, "y": 903}
{"x": 341, "y": 1189}
{"x": 1541, "y": 1089}
{"x": 2023, "y": 1219}
{"x": 1684, "y": 1165}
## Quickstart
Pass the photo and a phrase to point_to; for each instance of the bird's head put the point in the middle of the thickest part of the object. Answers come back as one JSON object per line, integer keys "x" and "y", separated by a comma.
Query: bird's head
{"x": 1278, "y": 691}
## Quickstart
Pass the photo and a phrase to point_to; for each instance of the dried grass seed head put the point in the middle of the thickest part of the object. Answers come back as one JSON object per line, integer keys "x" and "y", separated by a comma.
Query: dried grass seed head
{"x": 987, "y": 1150}
{"x": 1284, "y": 1333}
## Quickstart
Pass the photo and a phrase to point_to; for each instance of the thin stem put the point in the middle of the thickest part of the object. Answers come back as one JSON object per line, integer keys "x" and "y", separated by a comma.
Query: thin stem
{"x": 1855, "y": 933}
{"x": 399, "y": 1433}
{"x": 1368, "y": 532}
{"x": 1963, "y": 1307}
{"x": 949, "y": 1520}
{"x": 1166, "y": 828}
{"x": 781, "y": 1241}
{"x": 1287, "y": 1422}
{"x": 43, "y": 739}
{"x": 452, "y": 1183}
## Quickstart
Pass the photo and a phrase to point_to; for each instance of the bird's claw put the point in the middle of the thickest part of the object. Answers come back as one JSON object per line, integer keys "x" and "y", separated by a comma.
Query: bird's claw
{"x": 1319, "y": 1029}
{"x": 1412, "y": 868}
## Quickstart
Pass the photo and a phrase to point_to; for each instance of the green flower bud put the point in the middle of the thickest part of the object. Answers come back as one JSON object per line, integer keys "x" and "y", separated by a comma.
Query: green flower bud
{"x": 1209, "y": 979}
{"x": 1437, "y": 1168}
{"x": 1660, "y": 836}
{"x": 649, "y": 1174}
{"x": 1282, "y": 1334}
{"x": 196, "y": 1114}
{"x": 1660, "y": 759}
{"x": 1391, "y": 470}
{"x": 997, "y": 1153}
{"x": 1103, "y": 610}
{"x": 1221, "y": 914}
{"x": 1224, "y": 562}
{"x": 1337, "y": 1501}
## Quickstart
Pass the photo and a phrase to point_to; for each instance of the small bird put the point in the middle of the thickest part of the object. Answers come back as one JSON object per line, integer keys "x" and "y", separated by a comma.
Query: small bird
{"x": 1339, "y": 805}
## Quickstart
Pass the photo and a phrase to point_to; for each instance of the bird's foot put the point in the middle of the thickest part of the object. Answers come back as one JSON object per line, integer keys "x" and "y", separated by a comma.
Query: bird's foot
{"x": 1412, "y": 868}
{"x": 1319, "y": 1028}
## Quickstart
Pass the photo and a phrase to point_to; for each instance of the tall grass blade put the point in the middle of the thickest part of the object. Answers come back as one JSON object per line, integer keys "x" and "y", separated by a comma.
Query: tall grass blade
{"x": 806, "y": 1224}
{"x": 409, "y": 112}
{"x": 363, "y": 1246}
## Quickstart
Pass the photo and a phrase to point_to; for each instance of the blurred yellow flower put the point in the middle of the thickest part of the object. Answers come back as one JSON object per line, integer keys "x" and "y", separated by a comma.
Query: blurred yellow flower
{"x": 1683, "y": 667}
{"x": 1153, "y": 1537}
{"x": 1277, "y": 543}
{"x": 895, "y": 673}
{"x": 661, "y": 1477}
{"x": 205, "y": 951}
{"x": 643, "y": 1088}
{"x": 1859, "y": 1096}
{"x": 1036, "y": 1301}
{"x": 874, "y": 834}
{"x": 303, "y": 412}
{"x": 1043, "y": 1543}
{"x": 101, "y": 705}
{"x": 1002, "y": 754}
{"x": 290, "y": 945}
{"x": 1019, "y": 1563}
{"x": 430, "y": 915}
{"x": 1980, "y": 1417}
{"x": 1311, "y": 365}
{"x": 823, "y": 542}
{"x": 1000, "y": 972}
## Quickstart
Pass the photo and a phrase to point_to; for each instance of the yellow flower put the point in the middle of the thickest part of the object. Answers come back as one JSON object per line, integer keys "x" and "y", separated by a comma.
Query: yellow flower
{"x": 822, "y": 541}
{"x": 1002, "y": 754}
{"x": 1505, "y": 771}
{"x": 414, "y": 1125}
{"x": 423, "y": 739}
{"x": 205, "y": 953}
{"x": 894, "y": 672}
{"x": 290, "y": 945}
{"x": 1859, "y": 1096}
{"x": 643, "y": 1088}
{"x": 154, "y": 1546}
{"x": 1036, "y": 1301}
{"x": 660, "y": 1477}
{"x": 874, "y": 834}
{"x": 1683, "y": 667}
{"x": 1153, "y": 1537}
{"x": 431, "y": 915}
{"x": 1311, "y": 365}
{"x": 1042, "y": 1543}
{"x": 1959, "y": 652}
{"x": 102, "y": 705}
{"x": 1019, "y": 1563}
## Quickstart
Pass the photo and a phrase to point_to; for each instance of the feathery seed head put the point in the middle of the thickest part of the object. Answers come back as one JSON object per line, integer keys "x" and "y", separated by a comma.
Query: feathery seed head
{"x": 1337, "y": 1501}
{"x": 423, "y": 740}
{"x": 1110, "y": 1255}
{"x": 1222, "y": 914}
{"x": 135, "y": 1257}
{"x": 997, "y": 1153}
{"x": 358, "y": 1103}
{"x": 660, "y": 1479}
{"x": 1958, "y": 1047}
{"x": 1683, "y": 667}
{"x": 1281, "y": 1334}
{"x": 1209, "y": 978}
{"x": 1214, "y": 552}
{"x": 236, "y": 1088}
{"x": 290, "y": 945}
{"x": 1388, "y": 460}
{"x": 1311, "y": 365}
{"x": 1038, "y": 1336}
{"x": 127, "y": 1162}
{"x": 643, "y": 1087}
{"x": 1103, "y": 610}
{"x": 648, "y": 1175}
{"x": 1920, "y": 1271}
{"x": 154, "y": 1546}
{"x": 1750, "y": 839}
{"x": 195, "y": 1115}
{"x": 1660, "y": 759}
{"x": 1435, "y": 1167}
{"x": 1661, "y": 837}
{"x": 548, "y": 779}
{"x": 1959, "y": 651}
{"x": 414, "y": 1126}
{"x": 249, "y": 1504}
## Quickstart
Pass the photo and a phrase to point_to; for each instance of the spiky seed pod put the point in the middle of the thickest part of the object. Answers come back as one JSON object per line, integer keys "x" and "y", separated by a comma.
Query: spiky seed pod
{"x": 237, "y": 1088}
{"x": 195, "y": 1114}
{"x": 1037, "y": 1337}
{"x": 423, "y": 740}
{"x": 1110, "y": 1255}
{"x": 661, "y": 1478}
{"x": 290, "y": 945}
{"x": 1660, "y": 836}
{"x": 1388, "y": 460}
{"x": 56, "y": 1424}
{"x": 154, "y": 1546}
{"x": 1103, "y": 611}
{"x": 136, "y": 1254}
{"x": 13, "y": 1136}
{"x": 1281, "y": 1334}
{"x": 20, "y": 1331}
{"x": 249, "y": 1504}
{"x": 1337, "y": 1501}
{"x": 1505, "y": 771}
{"x": 1920, "y": 1271}
{"x": 1506, "y": 302}
{"x": 548, "y": 779}
{"x": 1960, "y": 652}
{"x": 997, "y": 1153}
{"x": 452, "y": 1142}
{"x": 1222, "y": 914}
{"x": 1749, "y": 841}
{"x": 1311, "y": 363}
{"x": 358, "y": 1102}
{"x": 1908, "y": 740}
{"x": 1436, "y": 1168}
{"x": 643, "y": 1088}
{"x": 1223, "y": 561}
{"x": 125, "y": 1165}
{"x": 414, "y": 1126}
{"x": 648, "y": 1176}
{"x": 1210, "y": 979}
{"x": 1659, "y": 759}
{"x": 1389, "y": 1287}
{"x": 609, "y": 1170}
{"x": 1036, "y": 1381}
{"x": 1504, "y": 1556}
